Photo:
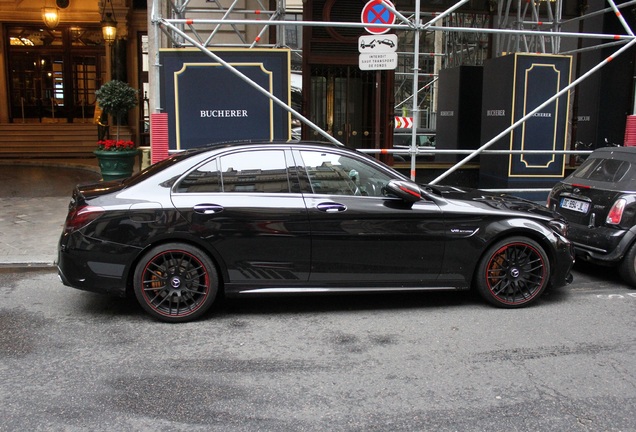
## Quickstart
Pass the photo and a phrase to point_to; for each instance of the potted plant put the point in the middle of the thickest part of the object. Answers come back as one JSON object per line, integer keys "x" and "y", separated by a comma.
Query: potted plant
{"x": 116, "y": 157}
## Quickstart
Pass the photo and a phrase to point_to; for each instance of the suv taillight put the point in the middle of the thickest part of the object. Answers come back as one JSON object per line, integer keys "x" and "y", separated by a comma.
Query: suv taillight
{"x": 81, "y": 216}
{"x": 616, "y": 212}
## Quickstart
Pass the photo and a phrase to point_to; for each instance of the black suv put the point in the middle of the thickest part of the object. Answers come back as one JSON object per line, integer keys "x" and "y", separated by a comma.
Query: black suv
{"x": 599, "y": 201}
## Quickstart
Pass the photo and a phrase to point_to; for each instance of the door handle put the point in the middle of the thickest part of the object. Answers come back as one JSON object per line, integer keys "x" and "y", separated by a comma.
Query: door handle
{"x": 331, "y": 207}
{"x": 208, "y": 208}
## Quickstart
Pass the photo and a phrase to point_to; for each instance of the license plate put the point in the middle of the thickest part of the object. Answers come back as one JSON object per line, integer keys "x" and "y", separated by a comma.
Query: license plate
{"x": 575, "y": 205}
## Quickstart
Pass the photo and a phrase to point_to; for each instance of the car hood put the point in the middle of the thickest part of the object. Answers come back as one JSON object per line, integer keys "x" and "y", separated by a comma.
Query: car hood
{"x": 491, "y": 200}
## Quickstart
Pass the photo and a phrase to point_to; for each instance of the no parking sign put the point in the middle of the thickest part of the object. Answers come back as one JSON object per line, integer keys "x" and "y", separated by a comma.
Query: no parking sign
{"x": 377, "y": 12}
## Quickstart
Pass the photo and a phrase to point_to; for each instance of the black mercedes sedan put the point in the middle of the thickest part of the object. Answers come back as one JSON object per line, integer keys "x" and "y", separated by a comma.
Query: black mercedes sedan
{"x": 245, "y": 219}
{"x": 599, "y": 201}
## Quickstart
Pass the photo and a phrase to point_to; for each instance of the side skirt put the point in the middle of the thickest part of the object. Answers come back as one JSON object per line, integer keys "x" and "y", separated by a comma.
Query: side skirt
{"x": 335, "y": 290}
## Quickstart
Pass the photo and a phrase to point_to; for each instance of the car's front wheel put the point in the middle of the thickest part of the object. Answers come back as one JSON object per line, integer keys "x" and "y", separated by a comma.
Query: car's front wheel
{"x": 627, "y": 267}
{"x": 176, "y": 282}
{"x": 513, "y": 272}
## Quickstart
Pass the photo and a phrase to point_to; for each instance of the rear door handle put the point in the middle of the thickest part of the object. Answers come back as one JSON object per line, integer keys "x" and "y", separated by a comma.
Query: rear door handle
{"x": 331, "y": 207}
{"x": 208, "y": 208}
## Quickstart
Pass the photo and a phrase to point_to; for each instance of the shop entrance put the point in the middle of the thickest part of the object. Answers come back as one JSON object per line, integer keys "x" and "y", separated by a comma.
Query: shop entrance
{"x": 339, "y": 103}
{"x": 53, "y": 74}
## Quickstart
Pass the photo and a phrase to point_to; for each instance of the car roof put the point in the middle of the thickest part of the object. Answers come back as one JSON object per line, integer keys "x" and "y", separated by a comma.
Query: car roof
{"x": 247, "y": 143}
{"x": 626, "y": 153}
{"x": 201, "y": 151}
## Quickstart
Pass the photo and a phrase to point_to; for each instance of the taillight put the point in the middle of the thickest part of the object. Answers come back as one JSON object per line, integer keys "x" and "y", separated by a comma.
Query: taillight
{"x": 616, "y": 212}
{"x": 580, "y": 186}
{"x": 547, "y": 203}
{"x": 81, "y": 216}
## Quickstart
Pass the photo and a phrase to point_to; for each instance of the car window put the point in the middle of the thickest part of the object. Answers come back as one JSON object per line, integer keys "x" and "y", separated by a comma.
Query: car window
{"x": 204, "y": 179}
{"x": 255, "y": 171}
{"x": 251, "y": 171}
{"x": 603, "y": 170}
{"x": 335, "y": 174}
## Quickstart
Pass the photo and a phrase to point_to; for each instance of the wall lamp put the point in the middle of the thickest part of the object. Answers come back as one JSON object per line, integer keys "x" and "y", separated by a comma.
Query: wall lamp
{"x": 50, "y": 16}
{"x": 108, "y": 23}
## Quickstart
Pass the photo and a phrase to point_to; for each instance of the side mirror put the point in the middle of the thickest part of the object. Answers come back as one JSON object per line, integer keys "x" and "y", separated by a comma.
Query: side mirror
{"x": 407, "y": 191}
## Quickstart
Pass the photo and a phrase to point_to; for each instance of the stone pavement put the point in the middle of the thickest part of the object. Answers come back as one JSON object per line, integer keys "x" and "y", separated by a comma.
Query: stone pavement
{"x": 34, "y": 198}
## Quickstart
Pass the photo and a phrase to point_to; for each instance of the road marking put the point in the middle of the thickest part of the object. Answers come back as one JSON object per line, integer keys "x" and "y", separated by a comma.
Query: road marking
{"x": 616, "y": 296}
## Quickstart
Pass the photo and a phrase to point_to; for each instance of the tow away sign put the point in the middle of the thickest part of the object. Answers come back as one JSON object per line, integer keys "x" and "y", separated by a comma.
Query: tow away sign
{"x": 377, "y": 44}
{"x": 380, "y": 61}
{"x": 377, "y": 52}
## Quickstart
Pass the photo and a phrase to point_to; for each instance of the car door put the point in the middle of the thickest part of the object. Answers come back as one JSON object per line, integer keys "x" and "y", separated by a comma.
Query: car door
{"x": 248, "y": 207}
{"x": 360, "y": 236}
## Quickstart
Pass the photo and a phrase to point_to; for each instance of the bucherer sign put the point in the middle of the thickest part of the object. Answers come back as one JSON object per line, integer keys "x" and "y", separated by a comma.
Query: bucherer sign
{"x": 206, "y": 102}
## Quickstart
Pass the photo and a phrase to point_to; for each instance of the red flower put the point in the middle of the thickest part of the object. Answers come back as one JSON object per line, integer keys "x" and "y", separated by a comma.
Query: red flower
{"x": 114, "y": 145}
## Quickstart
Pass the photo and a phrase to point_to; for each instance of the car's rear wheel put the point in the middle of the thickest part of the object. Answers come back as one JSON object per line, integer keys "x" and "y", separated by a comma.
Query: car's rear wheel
{"x": 176, "y": 282}
{"x": 513, "y": 272}
{"x": 627, "y": 267}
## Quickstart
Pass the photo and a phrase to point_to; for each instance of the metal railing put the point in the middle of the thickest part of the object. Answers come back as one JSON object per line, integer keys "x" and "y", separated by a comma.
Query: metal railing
{"x": 175, "y": 24}
{"x": 425, "y": 151}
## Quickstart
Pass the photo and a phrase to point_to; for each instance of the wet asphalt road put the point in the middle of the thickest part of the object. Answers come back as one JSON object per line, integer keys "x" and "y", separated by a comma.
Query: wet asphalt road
{"x": 33, "y": 205}
{"x": 32, "y": 181}
{"x": 72, "y": 360}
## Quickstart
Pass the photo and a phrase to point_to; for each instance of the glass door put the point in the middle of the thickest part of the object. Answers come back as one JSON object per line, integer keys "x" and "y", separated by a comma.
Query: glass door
{"x": 86, "y": 79}
{"x": 53, "y": 74}
{"x": 37, "y": 86}
{"x": 341, "y": 104}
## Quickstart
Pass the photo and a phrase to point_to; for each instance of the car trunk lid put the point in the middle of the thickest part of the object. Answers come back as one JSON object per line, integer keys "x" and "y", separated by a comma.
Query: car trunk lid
{"x": 585, "y": 205}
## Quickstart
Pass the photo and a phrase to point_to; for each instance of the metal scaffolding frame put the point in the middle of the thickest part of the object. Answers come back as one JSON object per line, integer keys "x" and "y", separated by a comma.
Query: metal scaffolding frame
{"x": 535, "y": 26}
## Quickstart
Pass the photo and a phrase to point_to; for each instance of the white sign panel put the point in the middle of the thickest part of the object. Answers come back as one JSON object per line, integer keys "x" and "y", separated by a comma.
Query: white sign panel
{"x": 377, "y": 61}
{"x": 378, "y": 44}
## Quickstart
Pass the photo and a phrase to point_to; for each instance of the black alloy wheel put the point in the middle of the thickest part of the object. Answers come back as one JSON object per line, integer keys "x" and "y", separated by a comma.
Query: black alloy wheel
{"x": 627, "y": 267}
{"x": 513, "y": 272}
{"x": 176, "y": 282}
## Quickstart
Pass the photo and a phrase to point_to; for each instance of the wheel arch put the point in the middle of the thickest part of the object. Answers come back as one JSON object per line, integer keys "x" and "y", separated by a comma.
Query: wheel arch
{"x": 191, "y": 241}
{"x": 540, "y": 236}
{"x": 515, "y": 280}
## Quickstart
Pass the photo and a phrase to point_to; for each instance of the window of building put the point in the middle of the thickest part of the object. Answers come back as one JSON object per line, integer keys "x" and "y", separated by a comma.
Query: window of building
{"x": 53, "y": 74}
{"x": 144, "y": 86}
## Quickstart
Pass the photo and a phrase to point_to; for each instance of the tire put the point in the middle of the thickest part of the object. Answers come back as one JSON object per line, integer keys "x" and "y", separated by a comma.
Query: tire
{"x": 627, "y": 267}
{"x": 176, "y": 282}
{"x": 513, "y": 272}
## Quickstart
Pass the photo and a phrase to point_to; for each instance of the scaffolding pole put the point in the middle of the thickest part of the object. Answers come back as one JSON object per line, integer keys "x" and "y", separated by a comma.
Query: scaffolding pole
{"x": 171, "y": 29}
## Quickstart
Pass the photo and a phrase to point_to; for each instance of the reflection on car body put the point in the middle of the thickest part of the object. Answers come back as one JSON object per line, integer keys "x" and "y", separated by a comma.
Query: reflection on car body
{"x": 262, "y": 218}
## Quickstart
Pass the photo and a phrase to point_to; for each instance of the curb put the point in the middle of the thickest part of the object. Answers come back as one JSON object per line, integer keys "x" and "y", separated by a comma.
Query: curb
{"x": 24, "y": 267}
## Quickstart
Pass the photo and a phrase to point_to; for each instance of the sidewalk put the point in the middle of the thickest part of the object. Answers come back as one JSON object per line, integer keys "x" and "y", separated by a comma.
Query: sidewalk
{"x": 34, "y": 198}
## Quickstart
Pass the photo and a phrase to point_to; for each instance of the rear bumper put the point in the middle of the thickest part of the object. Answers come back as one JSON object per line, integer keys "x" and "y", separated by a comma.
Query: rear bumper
{"x": 87, "y": 270}
{"x": 562, "y": 271}
{"x": 602, "y": 245}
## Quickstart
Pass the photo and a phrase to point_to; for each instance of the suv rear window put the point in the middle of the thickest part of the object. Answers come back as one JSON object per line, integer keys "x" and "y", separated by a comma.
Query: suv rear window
{"x": 603, "y": 170}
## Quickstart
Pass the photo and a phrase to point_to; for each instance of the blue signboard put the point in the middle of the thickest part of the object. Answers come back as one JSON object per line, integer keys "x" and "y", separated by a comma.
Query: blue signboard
{"x": 515, "y": 85}
{"x": 537, "y": 79}
{"x": 206, "y": 102}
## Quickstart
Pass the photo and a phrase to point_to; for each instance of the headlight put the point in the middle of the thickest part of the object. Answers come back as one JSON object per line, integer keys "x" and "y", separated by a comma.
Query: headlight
{"x": 559, "y": 226}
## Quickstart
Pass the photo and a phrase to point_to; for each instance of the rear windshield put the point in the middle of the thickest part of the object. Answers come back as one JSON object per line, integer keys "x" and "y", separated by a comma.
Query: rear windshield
{"x": 603, "y": 170}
